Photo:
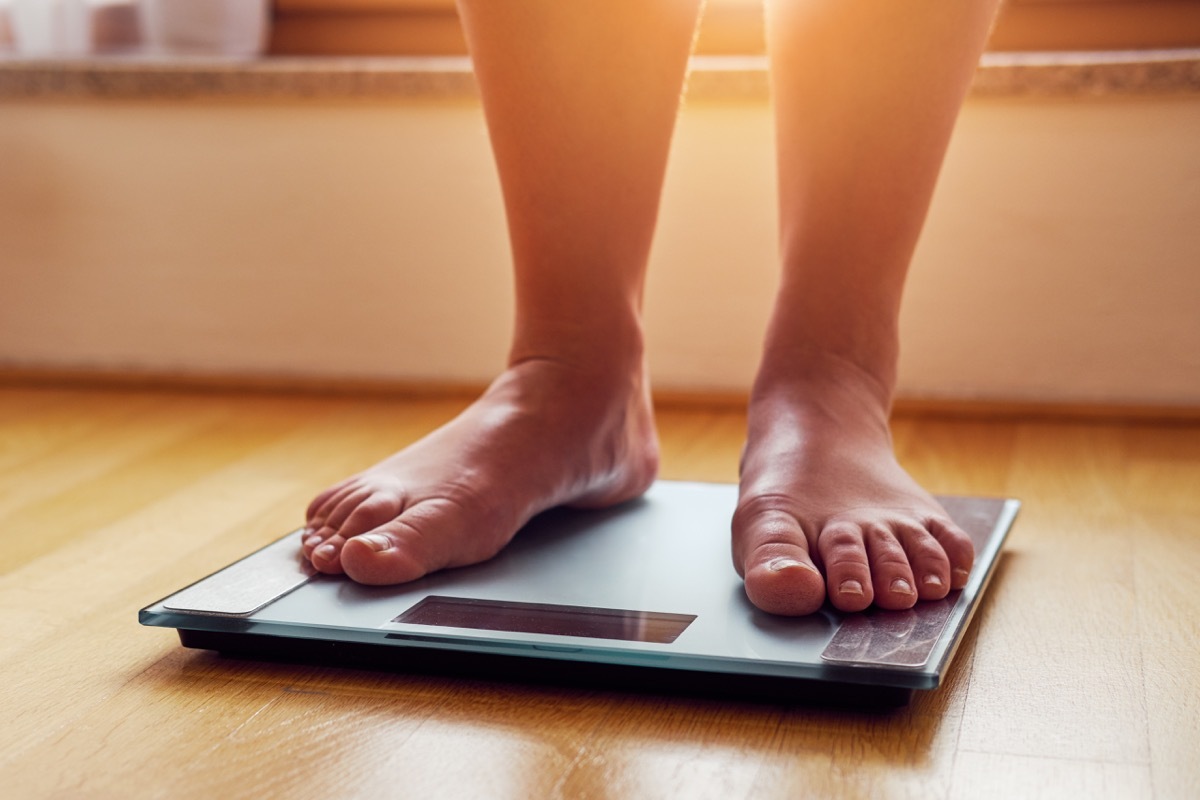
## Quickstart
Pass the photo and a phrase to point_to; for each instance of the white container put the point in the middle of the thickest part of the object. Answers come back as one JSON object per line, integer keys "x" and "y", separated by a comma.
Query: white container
{"x": 40, "y": 27}
{"x": 206, "y": 27}
{"x": 7, "y": 44}
{"x": 56, "y": 28}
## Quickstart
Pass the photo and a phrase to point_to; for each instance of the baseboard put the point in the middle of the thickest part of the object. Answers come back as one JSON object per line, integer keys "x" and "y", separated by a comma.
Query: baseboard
{"x": 666, "y": 399}
{"x": 222, "y": 383}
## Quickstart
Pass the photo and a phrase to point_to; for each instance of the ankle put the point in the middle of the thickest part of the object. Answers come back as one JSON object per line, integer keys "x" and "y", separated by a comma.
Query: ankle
{"x": 817, "y": 368}
{"x": 822, "y": 390}
{"x": 816, "y": 343}
{"x": 608, "y": 353}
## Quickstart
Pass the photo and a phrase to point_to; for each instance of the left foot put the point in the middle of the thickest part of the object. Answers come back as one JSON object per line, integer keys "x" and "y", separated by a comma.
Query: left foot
{"x": 825, "y": 510}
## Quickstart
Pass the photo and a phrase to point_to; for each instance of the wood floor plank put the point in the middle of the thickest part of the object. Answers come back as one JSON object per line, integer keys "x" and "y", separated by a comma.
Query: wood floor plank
{"x": 701, "y": 445}
{"x": 1163, "y": 471}
{"x": 115, "y": 474}
{"x": 984, "y": 776}
{"x": 968, "y": 457}
{"x": 85, "y": 439}
{"x": 33, "y": 421}
{"x": 675, "y": 747}
{"x": 1060, "y": 676}
{"x": 1167, "y": 574}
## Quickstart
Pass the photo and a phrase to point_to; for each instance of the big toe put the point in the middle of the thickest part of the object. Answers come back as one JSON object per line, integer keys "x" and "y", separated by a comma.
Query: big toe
{"x": 428, "y": 536}
{"x": 771, "y": 553}
{"x": 785, "y": 584}
{"x": 382, "y": 557}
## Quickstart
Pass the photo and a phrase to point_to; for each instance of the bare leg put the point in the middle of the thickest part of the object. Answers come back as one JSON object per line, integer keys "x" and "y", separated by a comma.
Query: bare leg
{"x": 866, "y": 95}
{"x": 580, "y": 100}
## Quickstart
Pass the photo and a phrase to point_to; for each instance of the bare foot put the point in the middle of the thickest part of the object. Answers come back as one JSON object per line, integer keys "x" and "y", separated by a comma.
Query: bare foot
{"x": 825, "y": 509}
{"x": 544, "y": 434}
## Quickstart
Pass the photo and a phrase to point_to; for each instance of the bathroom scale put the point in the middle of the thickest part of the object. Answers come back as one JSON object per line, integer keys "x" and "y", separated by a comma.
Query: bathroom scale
{"x": 640, "y": 596}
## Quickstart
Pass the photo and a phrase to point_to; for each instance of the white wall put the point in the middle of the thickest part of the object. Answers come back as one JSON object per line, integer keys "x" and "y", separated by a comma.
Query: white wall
{"x": 322, "y": 239}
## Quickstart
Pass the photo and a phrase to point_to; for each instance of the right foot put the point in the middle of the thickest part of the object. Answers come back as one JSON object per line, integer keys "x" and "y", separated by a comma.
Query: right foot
{"x": 544, "y": 434}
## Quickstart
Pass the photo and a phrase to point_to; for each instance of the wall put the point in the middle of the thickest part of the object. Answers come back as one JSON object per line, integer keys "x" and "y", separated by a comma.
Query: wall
{"x": 325, "y": 239}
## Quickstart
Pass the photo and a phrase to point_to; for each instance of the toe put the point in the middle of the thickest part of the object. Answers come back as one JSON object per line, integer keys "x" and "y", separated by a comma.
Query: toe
{"x": 326, "y": 531}
{"x": 891, "y": 574}
{"x": 320, "y": 509}
{"x": 370, "y": 513}
{"x": 928, "y": 561}
{"x": 313, "y": 540}
{"x": 349, "y": 503}
{"x": 847, "y": 570}
{"x": 326, "y": 556}
{"x": 956, "y": 544}
{"x": 319, "y": 502}
{"x": 771, "y": 553}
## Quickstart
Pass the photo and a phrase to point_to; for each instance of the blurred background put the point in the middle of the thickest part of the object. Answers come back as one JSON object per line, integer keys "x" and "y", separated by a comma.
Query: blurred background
{"x": 318, "y": 238}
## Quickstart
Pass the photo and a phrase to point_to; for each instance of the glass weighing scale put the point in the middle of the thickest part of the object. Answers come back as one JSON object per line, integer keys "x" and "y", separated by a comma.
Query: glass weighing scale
{"x": 641, "y": 596}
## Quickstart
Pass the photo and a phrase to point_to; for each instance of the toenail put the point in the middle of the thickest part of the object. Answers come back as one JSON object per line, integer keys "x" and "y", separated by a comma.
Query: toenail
{"x": 325, "y": 552}
{"x": 901, "y": 586}
{"x": 961, "y": 575}
{"x": 850, "y": 587}
{"x": 313, "y": 541}
{"x": 376, "y": 541}
{"x": 780, "y": 564}
{"x": 932, "y": 580}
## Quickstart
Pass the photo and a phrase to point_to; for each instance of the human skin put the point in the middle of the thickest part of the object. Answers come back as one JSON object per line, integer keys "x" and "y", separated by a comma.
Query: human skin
{"x": 580, "y": 101}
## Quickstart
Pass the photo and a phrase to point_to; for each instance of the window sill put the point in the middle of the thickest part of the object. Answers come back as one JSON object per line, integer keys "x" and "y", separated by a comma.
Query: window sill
{"x": 450, "y": 77}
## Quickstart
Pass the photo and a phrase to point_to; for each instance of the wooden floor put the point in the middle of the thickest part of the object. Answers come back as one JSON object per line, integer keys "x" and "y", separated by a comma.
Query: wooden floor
{"x": 1080, "y": 678}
